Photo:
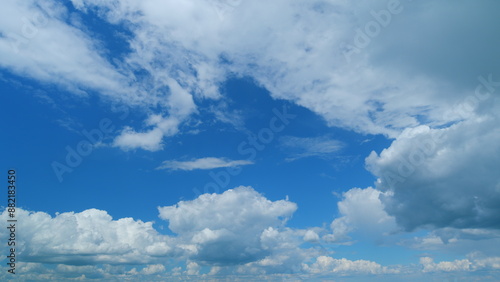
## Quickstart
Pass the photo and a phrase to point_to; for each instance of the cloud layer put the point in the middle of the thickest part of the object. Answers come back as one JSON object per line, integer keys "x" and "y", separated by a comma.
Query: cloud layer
{"x": 179, "y": 54}
{"x": 419, "y": 72}
{"x": 233, "y": 234}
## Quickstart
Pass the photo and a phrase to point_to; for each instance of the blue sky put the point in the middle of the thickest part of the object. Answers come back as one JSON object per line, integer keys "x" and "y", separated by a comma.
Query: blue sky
{"x": 239, "y": 140}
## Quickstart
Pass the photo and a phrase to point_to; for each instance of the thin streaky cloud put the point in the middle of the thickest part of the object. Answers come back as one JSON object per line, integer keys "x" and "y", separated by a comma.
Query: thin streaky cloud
{"x": 202, "y": 163}
{"x": 303, "y": 147}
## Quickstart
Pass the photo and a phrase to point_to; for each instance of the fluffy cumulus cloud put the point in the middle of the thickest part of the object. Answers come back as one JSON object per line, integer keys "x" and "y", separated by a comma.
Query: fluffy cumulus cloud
{"x": 202, "y": 163}
{"x": 228, "y": 228}
{"x": 326, "y": 264}
{"x": 29, "y": 271}
{"x": 153, "y": 269}
{"x": 457, "y": 265}
{"x": 233, "y": 234}
{"x": 469, "y": 264}
{"x": 88, "y": 237}
{"x": 362, "y": 212}
{"x": 443, "y": 177}
{"x": 235, "y": 227}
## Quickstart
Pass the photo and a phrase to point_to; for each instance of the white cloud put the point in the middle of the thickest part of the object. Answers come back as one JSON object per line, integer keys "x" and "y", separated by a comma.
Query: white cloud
{"x": 361, "y": 211}
{"x": 149, "y": 140}
{"x": 226, "y": 228}
{"x": 474, "y": 242}
{"x": 39, "y": 44}
{"x": 192, "y": 268}
{"x": 184, "y": 51}
{"x": 214, "y": 270}
{"x": 486, "y": 263}
{"x": 297, "y": 51}
{"x": 285, "y": 253}
{"x": 98, "y": 272}
{"x": 311, "y": 236}
{"x": 202, "y": 163}
{"x": 457, "y": 265}
{"x": 326, "y": 264}
{"x": 239, "y": 230}
{"x": 153, "y": 269}
{"x": 439, "y": 178}
{"x": 302, "y": 147}
{"x": 180, "y": 105}
{"x": 88, "y": 237}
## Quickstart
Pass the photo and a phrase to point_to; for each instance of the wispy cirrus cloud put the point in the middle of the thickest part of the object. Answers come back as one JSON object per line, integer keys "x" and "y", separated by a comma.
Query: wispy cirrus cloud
{"x": 164, "y": 73}
{"x": 202, "y": 163}
{"x": 303, "y": 147}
